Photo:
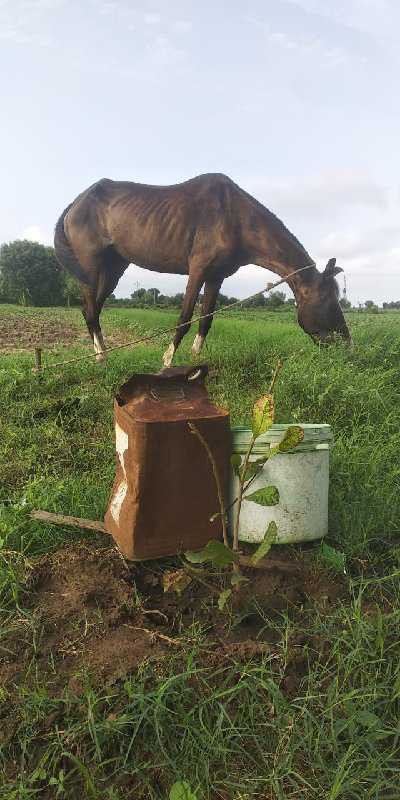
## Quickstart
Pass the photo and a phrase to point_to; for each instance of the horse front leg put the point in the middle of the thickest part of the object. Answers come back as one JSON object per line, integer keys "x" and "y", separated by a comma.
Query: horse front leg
{"x": 211, "y": 291}
{"x": 194, "y": 285}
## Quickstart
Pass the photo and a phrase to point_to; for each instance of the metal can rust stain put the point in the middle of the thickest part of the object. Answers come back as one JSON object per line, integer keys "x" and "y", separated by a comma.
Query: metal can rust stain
{"x": 164, "y": 491}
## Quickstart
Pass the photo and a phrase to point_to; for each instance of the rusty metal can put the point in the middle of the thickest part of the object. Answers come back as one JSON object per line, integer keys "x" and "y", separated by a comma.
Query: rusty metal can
{"x": 164, "y": 493}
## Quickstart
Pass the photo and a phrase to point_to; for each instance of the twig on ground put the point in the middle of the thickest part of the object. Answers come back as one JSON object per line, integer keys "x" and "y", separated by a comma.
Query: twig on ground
{"x": 176, "y": 642}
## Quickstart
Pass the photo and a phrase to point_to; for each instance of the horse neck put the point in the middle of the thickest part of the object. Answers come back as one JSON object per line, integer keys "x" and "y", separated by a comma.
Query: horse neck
{"x": 273, "y": 247}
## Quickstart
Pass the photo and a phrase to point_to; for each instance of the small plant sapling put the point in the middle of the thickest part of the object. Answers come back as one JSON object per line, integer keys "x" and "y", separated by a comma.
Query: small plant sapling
{"x": 223, "y": 554}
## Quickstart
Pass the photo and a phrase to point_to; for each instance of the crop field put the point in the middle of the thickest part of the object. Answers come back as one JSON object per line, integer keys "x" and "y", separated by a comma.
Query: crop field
{"x": 112, "y": 688}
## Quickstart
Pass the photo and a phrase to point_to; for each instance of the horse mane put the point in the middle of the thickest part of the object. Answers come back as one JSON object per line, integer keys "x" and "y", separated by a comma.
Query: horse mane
{"x": 281, "y": 227}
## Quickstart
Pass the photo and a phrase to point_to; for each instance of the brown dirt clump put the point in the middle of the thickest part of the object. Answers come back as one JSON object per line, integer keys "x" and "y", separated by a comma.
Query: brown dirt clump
{"x": 94, "y": 614}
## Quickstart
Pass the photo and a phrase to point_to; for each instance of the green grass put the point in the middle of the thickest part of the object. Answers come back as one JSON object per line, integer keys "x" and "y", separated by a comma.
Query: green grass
{"x": 231, "y": 731}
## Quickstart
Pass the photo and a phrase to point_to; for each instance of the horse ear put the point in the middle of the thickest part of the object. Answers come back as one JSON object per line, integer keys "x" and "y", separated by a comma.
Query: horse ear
{"x": 331, "y": 269}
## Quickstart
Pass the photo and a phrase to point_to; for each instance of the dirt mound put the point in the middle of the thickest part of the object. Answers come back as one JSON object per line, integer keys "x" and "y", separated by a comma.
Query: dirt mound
{"x": 94, "y": 614}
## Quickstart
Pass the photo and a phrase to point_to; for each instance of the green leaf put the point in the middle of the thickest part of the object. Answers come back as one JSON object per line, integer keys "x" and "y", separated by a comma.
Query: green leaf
{"x": 266, "y": 544}
{"x": 88, "y": 782}
{"x": 39, "y": 774}
{"x": 263, "y": 414}
{"x": 214, "y": 551}
{"x": 334, "y": 558}
{"x": 367, "y": 719}
{"x": 237, "y": 578}
{"x": 267, "y": 496}
{"x": 236, "y": 461}
{"x": 292, "y": 437}
{"x": 340, "y": 725}
{"x": 252, "y": 469}
{"x": 181, "y": 791}
{"x": 224, "y": 596}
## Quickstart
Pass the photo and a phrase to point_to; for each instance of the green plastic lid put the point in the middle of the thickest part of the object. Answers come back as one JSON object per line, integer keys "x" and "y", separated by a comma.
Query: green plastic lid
{"x": 316, "y": 437}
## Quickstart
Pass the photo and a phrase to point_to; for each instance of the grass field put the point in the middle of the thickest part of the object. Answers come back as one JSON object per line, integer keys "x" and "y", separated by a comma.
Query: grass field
{"x": 312, "y": 711}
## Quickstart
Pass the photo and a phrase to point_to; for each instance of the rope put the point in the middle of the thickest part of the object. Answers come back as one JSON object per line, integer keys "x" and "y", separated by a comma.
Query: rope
{"x": 162, "y": 331}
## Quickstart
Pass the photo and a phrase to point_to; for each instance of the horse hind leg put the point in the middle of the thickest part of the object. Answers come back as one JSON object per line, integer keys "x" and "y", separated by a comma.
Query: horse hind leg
{"x": 211, "y": 291}
{"x": 91, "y": 313}
{"x": 109, "y": 272}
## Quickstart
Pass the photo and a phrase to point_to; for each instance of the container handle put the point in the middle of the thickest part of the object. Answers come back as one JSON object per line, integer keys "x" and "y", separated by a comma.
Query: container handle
{"x": 197, "y": 373}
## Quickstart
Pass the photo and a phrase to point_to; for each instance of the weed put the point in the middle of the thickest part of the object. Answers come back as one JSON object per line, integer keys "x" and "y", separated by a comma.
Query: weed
{"x": 313, "y": 715}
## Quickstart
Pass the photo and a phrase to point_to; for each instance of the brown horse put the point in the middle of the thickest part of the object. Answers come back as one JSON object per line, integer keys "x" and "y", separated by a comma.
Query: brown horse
{"x": 205, "y": 228}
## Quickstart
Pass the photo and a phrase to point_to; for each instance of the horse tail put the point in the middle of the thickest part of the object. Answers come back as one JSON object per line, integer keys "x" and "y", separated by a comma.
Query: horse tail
{"x": 64, "y": 252}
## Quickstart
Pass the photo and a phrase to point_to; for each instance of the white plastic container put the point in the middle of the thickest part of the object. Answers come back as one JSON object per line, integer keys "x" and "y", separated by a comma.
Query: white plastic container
{"x": 301, "y": 477}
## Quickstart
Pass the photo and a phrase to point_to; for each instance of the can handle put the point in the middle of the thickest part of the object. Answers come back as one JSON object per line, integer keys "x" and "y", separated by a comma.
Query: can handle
{"x": 197, "y": 373}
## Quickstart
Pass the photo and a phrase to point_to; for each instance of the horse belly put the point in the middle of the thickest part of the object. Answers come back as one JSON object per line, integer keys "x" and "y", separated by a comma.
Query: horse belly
{"x": 151, "y": 243}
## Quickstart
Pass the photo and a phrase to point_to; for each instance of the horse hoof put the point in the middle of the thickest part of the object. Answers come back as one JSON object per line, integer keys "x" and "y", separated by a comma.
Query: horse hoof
{"x": 168, "y": 355}
{"x": 197, "y": 344}
{"x": 101, "y": 358}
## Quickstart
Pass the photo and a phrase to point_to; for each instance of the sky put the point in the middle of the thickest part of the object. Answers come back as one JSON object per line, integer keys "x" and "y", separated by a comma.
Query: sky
{"x": 298, "y": 102}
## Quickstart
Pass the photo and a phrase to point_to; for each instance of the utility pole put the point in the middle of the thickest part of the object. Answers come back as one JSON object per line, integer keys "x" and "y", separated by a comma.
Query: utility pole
{"x": 344, "y": 288}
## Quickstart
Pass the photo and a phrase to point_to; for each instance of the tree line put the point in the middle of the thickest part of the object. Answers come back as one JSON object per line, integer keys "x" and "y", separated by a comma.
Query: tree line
{"x": 145, "y": 298}
{"x": 31, "y": 275}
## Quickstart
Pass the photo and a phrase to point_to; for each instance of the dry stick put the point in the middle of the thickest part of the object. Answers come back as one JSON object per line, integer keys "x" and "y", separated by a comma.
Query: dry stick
{"x": 211, "y": 458}
{"x": 76, "y": 522}
{"x": 195, "y": 573}
{"x": 275, "y": 375}
{"x": 161, "y": 331}
{"x": 162, "y": 636}
{"x": 38, "y": 360}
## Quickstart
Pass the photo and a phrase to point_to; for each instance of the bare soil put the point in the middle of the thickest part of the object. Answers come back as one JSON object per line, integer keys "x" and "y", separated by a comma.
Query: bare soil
{"x": 93, "y": 613}
{"x": 28, "y": 330}
{"x": 25, "y": 330}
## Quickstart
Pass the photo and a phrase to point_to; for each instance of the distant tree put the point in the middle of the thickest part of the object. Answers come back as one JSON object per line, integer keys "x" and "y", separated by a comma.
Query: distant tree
{"x": 30, "y": 274}
{"x": 344, "y": 303}
{"x": 275, "y": 299}
{"x": 70, "y": 289}
{"x": 138, "y": 294}
{"x": 177, "y": 299}
{"x": 224, "y": 300}
{"x": 153, "y": 295}
{"x": 255, "y": 302}
{"x": 371, "y": 306}
{"x": 392, "y": 304}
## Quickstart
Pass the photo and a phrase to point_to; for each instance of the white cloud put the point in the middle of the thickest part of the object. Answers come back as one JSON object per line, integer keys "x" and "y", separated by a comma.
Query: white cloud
{"x": 152, "y": 19}
{"x": 23, "y": 21}
{"x": 330, "y": 55}
{"x": 304, "y": 45}
{"x": 181, "y": 26}
{"x": 163, "y": 52}
{"x": 35, "y": 233}
{"x": 361, "y": 243}
{"x": 376, "y": 18}
{"x": 323, "y": 194}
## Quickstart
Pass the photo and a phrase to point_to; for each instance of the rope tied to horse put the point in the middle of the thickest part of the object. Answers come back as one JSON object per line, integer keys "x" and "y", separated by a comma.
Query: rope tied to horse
{"x": 162, "y": 331}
